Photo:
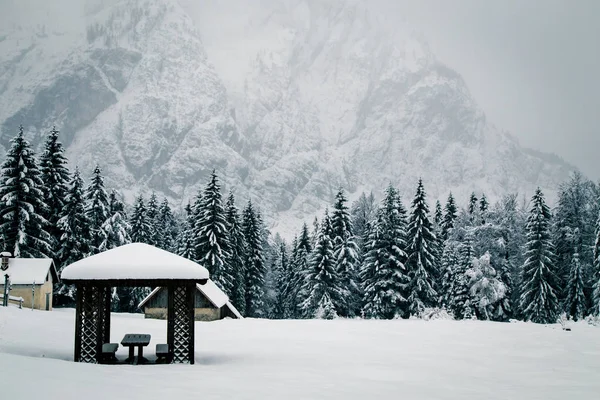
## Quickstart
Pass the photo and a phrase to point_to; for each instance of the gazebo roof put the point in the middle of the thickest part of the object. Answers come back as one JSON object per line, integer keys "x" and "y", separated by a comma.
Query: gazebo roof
{"x": 135, "y": 262}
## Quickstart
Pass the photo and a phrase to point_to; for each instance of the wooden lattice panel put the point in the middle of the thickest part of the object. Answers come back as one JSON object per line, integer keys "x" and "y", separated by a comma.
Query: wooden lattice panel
{"x": 182, "y": 328}
{"x": 90, "y": 314}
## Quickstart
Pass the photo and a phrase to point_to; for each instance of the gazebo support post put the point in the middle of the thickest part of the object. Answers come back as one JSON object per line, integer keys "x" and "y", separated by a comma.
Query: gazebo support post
{"x": 106, "y": 319}
{"x": 191, "y": 294}
{"x": 180, "y": 322}
{"x": 170, "y": 322}
{"x": 78, "y": 312}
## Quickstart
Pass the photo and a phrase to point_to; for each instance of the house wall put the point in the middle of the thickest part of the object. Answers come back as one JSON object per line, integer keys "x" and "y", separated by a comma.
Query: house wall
{"x": 200, "y": 314}
{"x": 40, "y": 291}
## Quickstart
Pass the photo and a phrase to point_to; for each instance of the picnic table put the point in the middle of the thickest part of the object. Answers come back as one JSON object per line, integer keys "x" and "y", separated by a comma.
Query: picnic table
{"x": 139, "y": 340}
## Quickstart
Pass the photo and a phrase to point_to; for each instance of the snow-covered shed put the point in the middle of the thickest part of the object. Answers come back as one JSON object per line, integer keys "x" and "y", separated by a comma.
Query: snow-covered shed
{"x": 210, "y": 304}
{"x": 29, "y": 278}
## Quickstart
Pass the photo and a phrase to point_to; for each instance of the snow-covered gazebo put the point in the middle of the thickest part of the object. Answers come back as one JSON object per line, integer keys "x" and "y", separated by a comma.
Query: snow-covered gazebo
{"x": 133, "y": 265}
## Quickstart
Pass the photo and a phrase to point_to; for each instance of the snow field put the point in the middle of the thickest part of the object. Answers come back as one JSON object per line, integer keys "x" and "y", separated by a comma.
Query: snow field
{"x": 309, "y": 359}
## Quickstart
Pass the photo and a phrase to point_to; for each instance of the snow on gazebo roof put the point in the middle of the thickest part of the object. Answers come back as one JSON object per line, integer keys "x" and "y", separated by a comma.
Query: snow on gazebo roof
{"x": 135, "y": 261}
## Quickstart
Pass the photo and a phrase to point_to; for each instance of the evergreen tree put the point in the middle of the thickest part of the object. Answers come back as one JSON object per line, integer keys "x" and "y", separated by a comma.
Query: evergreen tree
{"x": 449, "y": 264}
{"x": 236, "y": 254}
{"x": 363, "y": 212}
{"x": 483, "y": 207}
{"x": 422, "y": 245}
{"x": 473, "y": 203}
{"x": 96, "y": 208}
{"x": 577, "y": 206}
{"x": 538, "y": 300}
{"x": 75, "y": 242}
{"x": 383, "y": 275}
{"x": 596, "y": 273}
{"x": 345, "y": 253}
{"x": 152, "y": 214}
{"x": 304, "y": 241}
{"x": 450, "y": 215}
{"x": 322, "y": 282}
{"x": 185, "y": 241}
{"x": 140, "y": 226}
{"x": 325, "y": 308}
{"x": 212, "y": 245}
{"x": 439, "y": 214}
{"x": 254, "y": 263}
{"x": 166, "y": 227}
{"x": 461, "y": 298}
{"x": 55, "y": 176}
{"x": 575, "y": 303}
{"x": 486, "y": 288}
{"x": 116, "y": 228}
{"x": 22, "y": 224}
{"x": 283, "y": 281}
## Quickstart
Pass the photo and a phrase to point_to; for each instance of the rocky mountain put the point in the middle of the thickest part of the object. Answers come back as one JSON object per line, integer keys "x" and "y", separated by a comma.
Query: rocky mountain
{"x": 287, "y": 99}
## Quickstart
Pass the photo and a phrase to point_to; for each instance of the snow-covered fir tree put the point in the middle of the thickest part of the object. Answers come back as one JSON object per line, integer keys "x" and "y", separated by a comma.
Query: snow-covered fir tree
{"x": 450, "y": 215}
{"x": 140, "y": 230}
{"x": 321, "y": 280}
{"x": 116, "y": 227}
{"x": 254, "y": 263}
{"x": 484, "y": 205}
{"x": 448, "y": 275}
{"x": 596, "y": 272}
{"x": 538, "y": 301}
{"x": 283, "y": 280}
{"x": 473, "y": 206}
{"x": 212, "y": 241}
{"x": 363, "y": 212}
{"x": 460, "y": 303}
{"x": 237, "y": 251}
{"x": 152, "y": 214}
{"x": 438, "y": 215}
{"x": 75, "y": 241}
{"x": 166, "y": 227}
{"x": 345, "y": 253}
{"x": 22, "y": 207}
{"x": 325, "y": 308}
{"x": 575, "y": 303}
{"x": 383, "y": 274}
{"x": 185, "y": 240}
{"x": 55, "y": 176}
{"x": 421, "y": 250}
{"x": 96, "y": 208}
{"x": 577, "y": 206}
{"x": 485, "y": 286}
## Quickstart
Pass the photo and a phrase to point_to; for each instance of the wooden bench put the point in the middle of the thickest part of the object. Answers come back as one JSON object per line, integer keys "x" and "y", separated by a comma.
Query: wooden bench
{"x": 108, "y": 353}
{"x": 162, "y": 353}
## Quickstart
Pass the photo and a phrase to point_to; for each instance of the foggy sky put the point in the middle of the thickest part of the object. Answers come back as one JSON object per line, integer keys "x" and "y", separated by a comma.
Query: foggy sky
{"x": 533, "y": 66}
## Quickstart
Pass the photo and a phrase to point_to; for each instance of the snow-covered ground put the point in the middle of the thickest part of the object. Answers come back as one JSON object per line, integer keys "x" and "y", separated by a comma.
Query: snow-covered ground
{"x": 345, "y": 359}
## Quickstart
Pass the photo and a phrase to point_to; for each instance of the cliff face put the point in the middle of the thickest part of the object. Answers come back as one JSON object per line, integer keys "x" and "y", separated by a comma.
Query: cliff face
{"x": 288, "y": 100}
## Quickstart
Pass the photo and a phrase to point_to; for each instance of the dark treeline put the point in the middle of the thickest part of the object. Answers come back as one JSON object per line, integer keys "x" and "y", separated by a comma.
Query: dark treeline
{"x": 368, "y": 259}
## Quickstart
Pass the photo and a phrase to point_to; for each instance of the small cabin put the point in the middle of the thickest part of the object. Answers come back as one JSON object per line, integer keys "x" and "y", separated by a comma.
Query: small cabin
{"x": 30, "y": 279}
{"x": 211, "y": 304}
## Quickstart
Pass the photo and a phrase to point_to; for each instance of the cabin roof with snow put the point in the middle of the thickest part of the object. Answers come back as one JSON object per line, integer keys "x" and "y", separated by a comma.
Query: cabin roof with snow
{"x": 134, "y": 262}
{"x": 27, "y": 271}
{"x": 210, "y": 290}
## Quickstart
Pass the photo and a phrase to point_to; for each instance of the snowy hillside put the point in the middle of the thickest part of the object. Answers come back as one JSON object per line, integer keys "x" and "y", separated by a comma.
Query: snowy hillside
{"x": 288, "y": 100}
{"x": 310, "y": 359}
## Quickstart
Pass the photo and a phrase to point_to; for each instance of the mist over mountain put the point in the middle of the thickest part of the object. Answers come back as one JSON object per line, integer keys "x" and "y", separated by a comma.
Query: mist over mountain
{"x": 287, "y": 99}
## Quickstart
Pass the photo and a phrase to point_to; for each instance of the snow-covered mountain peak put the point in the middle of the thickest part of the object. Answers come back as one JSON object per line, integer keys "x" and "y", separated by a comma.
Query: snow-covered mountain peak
{"x": 287, "y": 99}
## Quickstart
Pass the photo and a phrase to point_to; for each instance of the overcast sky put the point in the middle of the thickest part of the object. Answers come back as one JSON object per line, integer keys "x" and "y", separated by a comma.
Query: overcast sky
{"x": 533, "y": 66}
